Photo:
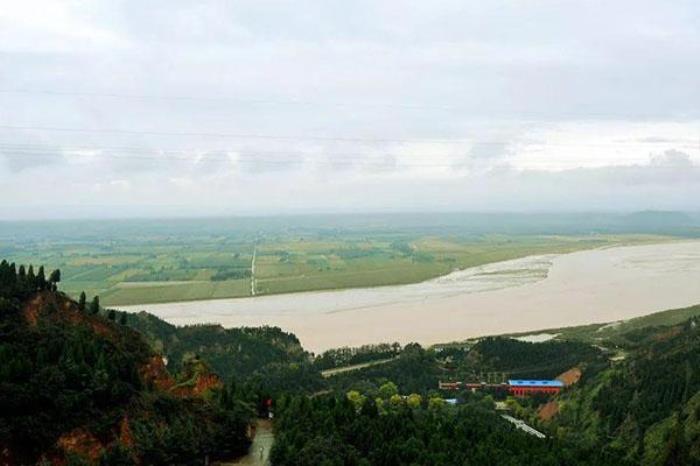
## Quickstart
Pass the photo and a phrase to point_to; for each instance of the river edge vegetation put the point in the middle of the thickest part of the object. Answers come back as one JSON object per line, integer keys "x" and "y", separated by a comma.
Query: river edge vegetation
{"x": 86, "y": 385}
{"x": 641, "y": 408}
{"x": 139, "y": 262}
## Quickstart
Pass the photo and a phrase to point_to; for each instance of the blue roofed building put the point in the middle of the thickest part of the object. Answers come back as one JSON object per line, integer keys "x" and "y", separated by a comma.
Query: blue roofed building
{"x": 530, "y": 387}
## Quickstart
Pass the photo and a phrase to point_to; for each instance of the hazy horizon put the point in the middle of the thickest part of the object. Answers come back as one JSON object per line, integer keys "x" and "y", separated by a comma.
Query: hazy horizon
{"x": 112, "y": 213}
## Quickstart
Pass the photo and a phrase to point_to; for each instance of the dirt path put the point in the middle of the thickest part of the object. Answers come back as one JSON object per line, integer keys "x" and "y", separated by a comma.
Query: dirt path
{"x": 259, "y": 452}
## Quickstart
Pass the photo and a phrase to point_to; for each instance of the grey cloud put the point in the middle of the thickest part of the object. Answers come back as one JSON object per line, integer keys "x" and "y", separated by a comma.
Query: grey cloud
{"x": 470, "y": 70}
{"x": 489, "y": 150}
{"x": 485, "y": 155}
{"x": 654, "y": 139}
{"x": 255, "y": 163}
{"x": 214, "y": 162}
{"x": 672, "y": 158}
{"x": 19, "y": 159}
{"x": 133, "y": 162}
{"x": 672, "y": 170}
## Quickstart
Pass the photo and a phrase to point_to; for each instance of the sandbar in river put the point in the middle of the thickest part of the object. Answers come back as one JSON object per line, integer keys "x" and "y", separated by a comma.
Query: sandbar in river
{"x": 532, "y": 293}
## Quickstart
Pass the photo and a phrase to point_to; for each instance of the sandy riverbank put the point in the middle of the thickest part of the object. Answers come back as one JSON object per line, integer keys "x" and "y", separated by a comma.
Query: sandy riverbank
{"x": 513, "y": 296}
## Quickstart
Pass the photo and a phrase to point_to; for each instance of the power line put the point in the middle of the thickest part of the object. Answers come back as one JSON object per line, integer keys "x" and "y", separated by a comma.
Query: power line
{"x": 256, "y": 160}
{"x": 266, "y": 102}
{"x": 212, "y": 150}
{"x": 288, "y": 159}
{"x": 514, "y": 115}
{"x": 251, "y": 158}
{"x": 209, "y": 151}
{"x": 472, "y": 140}
{"x": 227, "y": 135}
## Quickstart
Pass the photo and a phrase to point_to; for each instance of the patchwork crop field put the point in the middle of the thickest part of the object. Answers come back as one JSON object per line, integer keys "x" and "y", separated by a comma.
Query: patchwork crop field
{"x": 132, "y": 262}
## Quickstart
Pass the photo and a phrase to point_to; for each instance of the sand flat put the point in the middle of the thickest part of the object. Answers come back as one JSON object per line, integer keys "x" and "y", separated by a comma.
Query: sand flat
{"x": 521, "y": 295}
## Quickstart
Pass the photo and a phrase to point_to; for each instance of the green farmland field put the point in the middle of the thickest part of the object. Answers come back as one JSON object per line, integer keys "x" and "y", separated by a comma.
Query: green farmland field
{"x": 139, "y": 262}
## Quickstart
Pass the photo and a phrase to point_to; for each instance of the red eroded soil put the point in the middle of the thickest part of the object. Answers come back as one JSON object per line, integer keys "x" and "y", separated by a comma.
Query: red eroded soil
{"x": 548, "y": 410}
{"x": 154, "y": 373}
{"x": 570, "y": 377}
{"x": 82, "y": 443}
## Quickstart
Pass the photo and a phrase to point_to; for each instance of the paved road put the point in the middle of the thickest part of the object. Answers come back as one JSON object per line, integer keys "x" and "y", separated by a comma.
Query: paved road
{"x": 264, "y": 438}
{"x": 339, "y": 370}
{"x": 522, "y": 426}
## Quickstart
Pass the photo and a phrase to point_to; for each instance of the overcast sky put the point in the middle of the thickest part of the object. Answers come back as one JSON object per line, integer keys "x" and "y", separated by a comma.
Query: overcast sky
{"x": 136, "y": 107}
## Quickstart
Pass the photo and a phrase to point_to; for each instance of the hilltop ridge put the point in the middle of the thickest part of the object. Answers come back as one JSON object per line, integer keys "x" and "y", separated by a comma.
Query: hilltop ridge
{"x": 79, "y": 388}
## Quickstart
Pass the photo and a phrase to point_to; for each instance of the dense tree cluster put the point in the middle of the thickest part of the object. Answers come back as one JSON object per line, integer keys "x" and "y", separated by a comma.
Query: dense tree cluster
{"x": 415, "y": 370}
{"x": 521, "y": 359}
{"x": 419, "y": 369}
{"x": 266, "y": 354}
{"x": 18, "y": 283}
{"x": 230, "y": 273}
{"x": 172, "y": 430}
{"x": 646, "y": 408}
{"x": 346, "y": 356}
{"x": 339, "y": 430}
{"x": 66, "y": 372}
{"x": 57, "y": 377}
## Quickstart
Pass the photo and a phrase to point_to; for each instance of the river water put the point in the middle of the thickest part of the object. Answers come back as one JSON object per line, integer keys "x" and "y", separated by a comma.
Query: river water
{"x": 532, "y": 293}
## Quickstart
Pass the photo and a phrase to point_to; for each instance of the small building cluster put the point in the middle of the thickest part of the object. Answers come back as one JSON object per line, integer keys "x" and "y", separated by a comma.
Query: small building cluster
{"x": 519, "y": 388}
{"x": 531, "y": 387}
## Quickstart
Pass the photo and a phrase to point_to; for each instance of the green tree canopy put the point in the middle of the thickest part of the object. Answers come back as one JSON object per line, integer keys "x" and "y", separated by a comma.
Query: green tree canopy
{"x": 95, "y": 305}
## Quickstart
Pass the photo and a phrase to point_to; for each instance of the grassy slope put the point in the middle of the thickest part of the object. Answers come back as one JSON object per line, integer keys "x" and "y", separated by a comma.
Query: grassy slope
{"x": 615, "y": 331}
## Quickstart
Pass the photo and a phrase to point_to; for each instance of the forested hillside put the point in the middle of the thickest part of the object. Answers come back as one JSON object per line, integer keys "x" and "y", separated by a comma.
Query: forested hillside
{"x": 357, "y": 430}
{"x": 80, "y": 385}
{"x": 79, "y": 388}
{"x": 643, "y": 410}
{"x": 265, "y": 361}
{"x": 520, "y": 359}
{"x": 347, "y": 356}
{"x": 647, "y": 407}
{"x": 231, "y": 352}
{"x": 419, "y": 369}
{"x": 415, "y": 369}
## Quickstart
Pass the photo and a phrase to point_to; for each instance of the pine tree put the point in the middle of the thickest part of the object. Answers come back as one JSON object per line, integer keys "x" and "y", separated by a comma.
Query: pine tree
{"x": 31, "y": 278}
{"x": 5, "y": 279}
{"x": 81, "y": 301}
{"x": 55, "y": 276}
{"x": 95, "y": 305}
{"x": 122, "y": 318}
{"x": 41, "y": 278}
{"x": 112, "y": 315}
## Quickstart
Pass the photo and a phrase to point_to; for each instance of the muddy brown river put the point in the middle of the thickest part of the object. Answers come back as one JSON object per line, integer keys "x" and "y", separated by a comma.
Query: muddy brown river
{"x": 532, "y": 293}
